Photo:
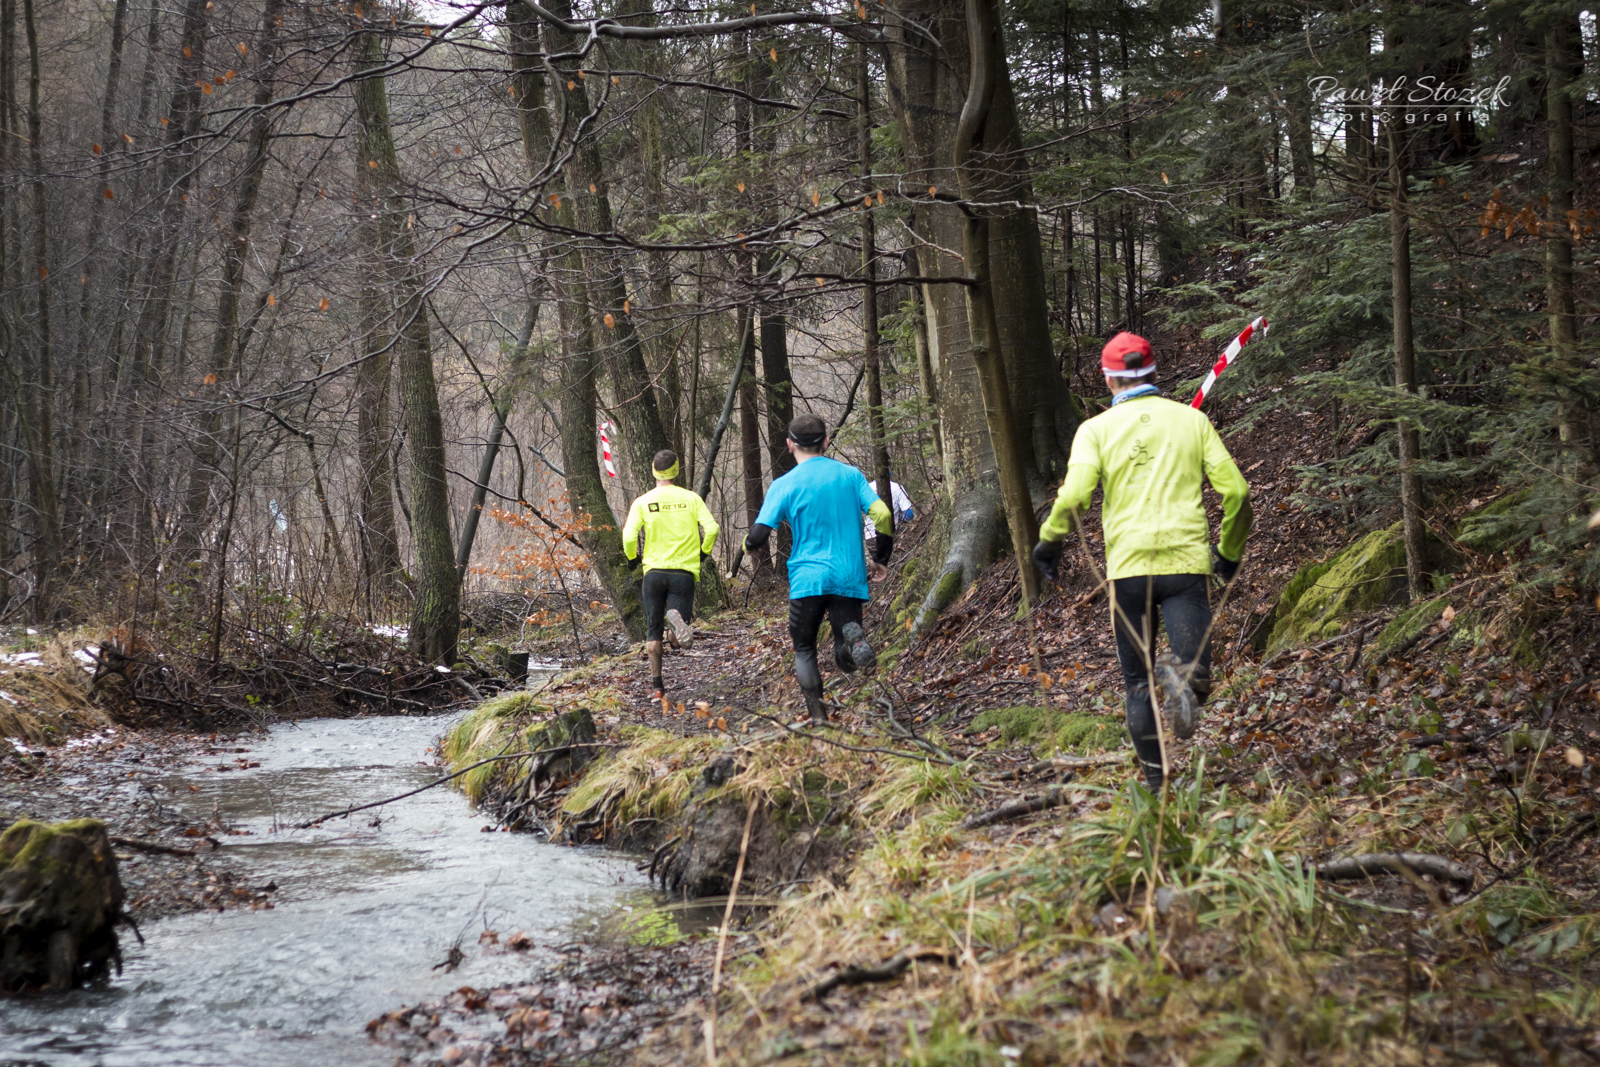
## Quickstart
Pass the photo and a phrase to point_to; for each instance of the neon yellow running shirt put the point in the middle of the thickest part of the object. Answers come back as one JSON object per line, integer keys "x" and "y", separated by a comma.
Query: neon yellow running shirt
{"x": 1151, "y": 454}
{"x": 672, "y": 520}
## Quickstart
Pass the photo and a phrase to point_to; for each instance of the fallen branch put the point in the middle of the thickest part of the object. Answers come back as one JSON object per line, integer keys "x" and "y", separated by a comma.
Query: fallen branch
{"x": 141, "y": 845}
{"x": 1015, "y": 809}
{"x": 1103, "y": 759}
{"x": 1352, "y": 867}
{"x": 888, "y": 970}
{"x": 319, "y": 820}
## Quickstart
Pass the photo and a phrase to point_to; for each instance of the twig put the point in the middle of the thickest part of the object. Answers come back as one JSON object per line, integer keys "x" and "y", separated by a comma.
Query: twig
{"x": 722, "y": 934}
{"x": 888, "y": 970}
{"x": 902, "y": 754}
{"x": 1015, "y": 809}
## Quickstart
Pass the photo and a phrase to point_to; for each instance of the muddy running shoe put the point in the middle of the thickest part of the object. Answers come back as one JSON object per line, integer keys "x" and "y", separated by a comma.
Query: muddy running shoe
{"x": 855, "y": 642}
{"x": 815, "y": 707}
{"x": 682, "y": 632}
{"x": 658, "y": 688}
{"x": 1178, "y": 703}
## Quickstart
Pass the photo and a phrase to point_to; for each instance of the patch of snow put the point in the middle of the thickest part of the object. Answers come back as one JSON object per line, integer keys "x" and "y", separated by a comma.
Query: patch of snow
{"x": 8, "y": 698}
{"x": 32, "y": 631}
{"x": 22, "y": 746}
{"x": 442, "y": 669}
{"x": 21, "y": 659}
{"x": 392, "y": 631}
{"x": 88, "y": 656}
{"x": 93, "y": 739}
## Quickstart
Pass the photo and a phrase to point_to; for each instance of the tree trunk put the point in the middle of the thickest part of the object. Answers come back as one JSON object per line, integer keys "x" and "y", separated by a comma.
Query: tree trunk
{"x": 39, "y": 400}
{"x": 928, "y": 88}
{"x": 501, "y": 404}
{"x": 1405, "y": 365}
{"x": 927, "y": 373}
{"x": 972, "y": 138}
{"x": 436, "y": 605}
{"x": 225, "y": 336}
{"x": 186, "y": 110}
{"x": 1562, "y": 221}
{"x": 869, "y": 288}
{"x": 750, "y": 443}
{"x": 586, "y": 492}
{"x": 618, "y": 343}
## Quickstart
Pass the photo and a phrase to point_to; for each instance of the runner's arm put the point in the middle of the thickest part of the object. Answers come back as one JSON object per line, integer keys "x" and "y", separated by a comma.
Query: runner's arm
{"x": 1223, "y": 474}
{"x": 774, "y": 509}
{"x": 630, "y": 531}
{"x": 1083, "y": 474}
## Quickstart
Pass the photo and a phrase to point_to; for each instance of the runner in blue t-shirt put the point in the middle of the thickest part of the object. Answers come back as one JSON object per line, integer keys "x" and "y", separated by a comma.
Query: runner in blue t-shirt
{"x": 823, "y": 500}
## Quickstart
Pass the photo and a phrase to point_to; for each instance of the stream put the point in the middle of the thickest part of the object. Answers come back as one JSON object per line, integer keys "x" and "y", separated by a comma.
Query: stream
{"x": 364, "y": 910}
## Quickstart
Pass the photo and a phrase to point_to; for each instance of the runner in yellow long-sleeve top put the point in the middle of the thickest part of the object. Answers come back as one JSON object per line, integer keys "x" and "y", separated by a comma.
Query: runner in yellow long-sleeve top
{"x": 679, "y": 533}
{"x": 1153, "y": 456}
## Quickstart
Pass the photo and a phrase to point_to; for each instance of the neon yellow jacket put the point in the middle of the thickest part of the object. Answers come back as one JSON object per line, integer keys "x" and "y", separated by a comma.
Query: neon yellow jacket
{"x": 1151, "y": 453}
{"x": 672, "y": 520}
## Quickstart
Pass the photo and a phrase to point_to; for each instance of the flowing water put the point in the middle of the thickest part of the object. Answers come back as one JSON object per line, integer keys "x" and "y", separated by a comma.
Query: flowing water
{"x": 365, "y": 909}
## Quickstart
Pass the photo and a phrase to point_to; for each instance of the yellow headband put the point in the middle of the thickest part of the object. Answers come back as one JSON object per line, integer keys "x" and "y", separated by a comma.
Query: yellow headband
{"x": 670, "y": 473}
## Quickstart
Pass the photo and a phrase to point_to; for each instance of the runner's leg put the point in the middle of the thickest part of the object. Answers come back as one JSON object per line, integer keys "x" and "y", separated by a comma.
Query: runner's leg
{"x": 680, "y": 607}
{"x": 805, "y": 617}
{"x": 654, "y": 595}
{"x": 1186, "y": 611}
{"x": 1131, "y": 623}
{"x": 850, "y": 647}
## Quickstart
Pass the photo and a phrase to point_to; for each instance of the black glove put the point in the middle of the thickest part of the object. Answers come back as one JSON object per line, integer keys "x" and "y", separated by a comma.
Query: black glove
{"x": 1047, "y": 556}
{"x": 1222, "y": 566}
{"x": 703, "y": 557}
{"x": 633, "y": 564}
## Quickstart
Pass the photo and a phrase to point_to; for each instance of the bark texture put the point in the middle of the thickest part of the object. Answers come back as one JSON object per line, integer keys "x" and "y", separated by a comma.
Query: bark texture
{"x": 436, "y": 604}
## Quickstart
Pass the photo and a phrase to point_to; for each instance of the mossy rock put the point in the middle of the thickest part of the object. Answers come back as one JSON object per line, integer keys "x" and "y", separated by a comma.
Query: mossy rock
{"x": 574, "y": 727}
{"x": 1027, "y": 724}
{"x": 1493, "y": 528}
{"x": 1367, "y": 575}
{"x": 60, "y": 900}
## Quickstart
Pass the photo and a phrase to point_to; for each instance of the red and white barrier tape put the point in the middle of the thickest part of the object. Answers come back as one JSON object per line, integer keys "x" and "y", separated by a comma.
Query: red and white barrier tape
{"x": 1229, "y": 354}
{"x": 606, "y": 429}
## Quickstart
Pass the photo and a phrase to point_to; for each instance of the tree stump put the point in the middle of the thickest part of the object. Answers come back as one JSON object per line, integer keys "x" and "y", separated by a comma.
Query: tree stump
{"x": 60, "y": 899}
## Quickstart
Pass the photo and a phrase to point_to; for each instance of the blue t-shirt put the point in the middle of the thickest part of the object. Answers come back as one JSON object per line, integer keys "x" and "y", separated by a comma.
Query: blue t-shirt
{"x": 822, "y": 500}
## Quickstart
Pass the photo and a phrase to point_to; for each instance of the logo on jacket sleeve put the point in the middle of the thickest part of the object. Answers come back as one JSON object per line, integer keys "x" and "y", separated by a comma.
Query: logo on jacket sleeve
{"x": 655, "y": 507}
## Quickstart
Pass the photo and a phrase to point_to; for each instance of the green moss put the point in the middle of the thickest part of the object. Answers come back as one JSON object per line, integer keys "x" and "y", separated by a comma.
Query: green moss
{"x": 1494, "y": 528}
{"x": 910, "y": 569}
{"x": 1404, "y": 626}
{"x": 26, "y": 843}
{"x": 1030, "y": 725}
{"x": 948, "y": 587}
{"x": 1360, "y": 578}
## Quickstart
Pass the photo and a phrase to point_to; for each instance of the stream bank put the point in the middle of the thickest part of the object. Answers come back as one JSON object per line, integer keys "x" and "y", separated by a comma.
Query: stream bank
{"x": 1097, "y": 924}
{"x": 322, "y": 929}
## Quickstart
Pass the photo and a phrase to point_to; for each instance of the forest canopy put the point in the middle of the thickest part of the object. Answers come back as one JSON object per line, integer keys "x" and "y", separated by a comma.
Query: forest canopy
{"x": 293, "y": 293}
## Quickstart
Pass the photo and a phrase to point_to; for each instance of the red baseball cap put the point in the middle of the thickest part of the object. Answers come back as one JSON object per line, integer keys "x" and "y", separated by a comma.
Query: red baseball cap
{"x": 1127, "y": 355}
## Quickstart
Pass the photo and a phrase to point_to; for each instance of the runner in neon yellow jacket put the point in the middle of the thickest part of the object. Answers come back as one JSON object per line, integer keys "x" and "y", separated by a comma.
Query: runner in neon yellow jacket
{"x": 1153, "y": 456}
{"x": 679, "y": 533}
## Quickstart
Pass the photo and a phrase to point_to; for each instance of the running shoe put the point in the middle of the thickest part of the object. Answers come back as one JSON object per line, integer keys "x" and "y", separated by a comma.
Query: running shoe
{"x": 658, "y": 686}
{"x": 855, "y": 642}
{"x": 814, "y": 706}
{"x": 1178, "y": 703}
{"x": 682, "y": 632}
